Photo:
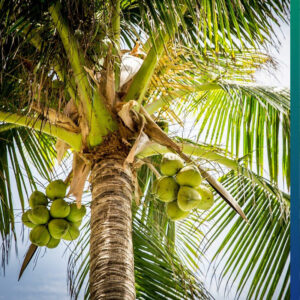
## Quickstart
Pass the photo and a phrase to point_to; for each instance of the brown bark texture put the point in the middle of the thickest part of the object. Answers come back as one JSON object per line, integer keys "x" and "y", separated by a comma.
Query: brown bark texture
{"x": 111, "y": 249}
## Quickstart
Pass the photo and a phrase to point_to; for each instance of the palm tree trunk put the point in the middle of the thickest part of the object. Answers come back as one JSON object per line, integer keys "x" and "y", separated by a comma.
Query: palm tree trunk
{"x": 111, "y": 250}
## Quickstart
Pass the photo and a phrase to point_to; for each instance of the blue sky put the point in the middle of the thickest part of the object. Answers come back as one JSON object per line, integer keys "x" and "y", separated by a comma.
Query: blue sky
{"x": 48, "y": 280}
{"x": 45, "y": 281}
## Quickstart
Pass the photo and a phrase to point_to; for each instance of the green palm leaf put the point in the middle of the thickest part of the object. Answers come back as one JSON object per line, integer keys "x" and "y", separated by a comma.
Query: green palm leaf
{"x": 248, "y": 122}
{"x": 183, "y": 76}
{"x": 255, "y": 256}
{"x": 223, "y": 25}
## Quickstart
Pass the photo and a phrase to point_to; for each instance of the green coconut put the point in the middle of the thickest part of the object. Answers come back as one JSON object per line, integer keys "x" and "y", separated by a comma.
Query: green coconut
{"x": 188, "y": 198}
{"x": 59, "y": 208}
{"x": 39, "y": 215}
{"x": 39, "y": 235}
{"x": 77, "y": 224}
{"x": 58, "y": 227}
{"x": 166, "y": 189}
{"x": 37, "y": 198}
{"x": 207, "y": 197}
{"x": 53, "y": 243}
{"x": 72, "y": 233}
{"x": 189, "y": 176}
{"x": 76, "y": 214}
{"x": 170, "y": 164}
{"x": 56, "y": 189}
{"x": 26, "y": 220}
{"x": 174, "y": 212}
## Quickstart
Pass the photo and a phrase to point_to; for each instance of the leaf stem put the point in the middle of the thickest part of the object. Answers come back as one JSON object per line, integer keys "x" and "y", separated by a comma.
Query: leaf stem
{"x": 71, "y": 138}
{"x": 99, "y": 118}
{"x": 142, "y": 78}
{"x": 6, "y": 127}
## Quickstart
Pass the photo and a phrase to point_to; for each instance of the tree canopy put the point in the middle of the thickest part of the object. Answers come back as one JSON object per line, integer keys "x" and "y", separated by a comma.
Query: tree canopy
{"x": 197, "y": 61}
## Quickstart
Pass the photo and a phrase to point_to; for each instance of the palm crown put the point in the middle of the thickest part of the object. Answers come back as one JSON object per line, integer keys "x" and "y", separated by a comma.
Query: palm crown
{"x": 60, "y": 90}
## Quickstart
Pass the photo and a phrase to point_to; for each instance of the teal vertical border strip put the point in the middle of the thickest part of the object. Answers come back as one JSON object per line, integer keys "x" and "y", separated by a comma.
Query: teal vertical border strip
{"x": 295, "y": 150}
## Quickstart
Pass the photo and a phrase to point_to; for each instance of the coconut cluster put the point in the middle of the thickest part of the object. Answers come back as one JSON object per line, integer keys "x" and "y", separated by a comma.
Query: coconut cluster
{"x": 181, "y": 188}
{"x": 51, "y": 218}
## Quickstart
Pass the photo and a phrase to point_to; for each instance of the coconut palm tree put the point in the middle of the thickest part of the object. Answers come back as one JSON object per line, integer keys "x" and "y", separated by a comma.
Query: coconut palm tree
{"x": 91, "y": 80}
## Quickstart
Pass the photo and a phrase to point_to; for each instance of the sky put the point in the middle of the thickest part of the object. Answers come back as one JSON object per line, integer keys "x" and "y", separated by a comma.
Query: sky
{"x": 282, "y": 74}
{"x": 47, "y": 279}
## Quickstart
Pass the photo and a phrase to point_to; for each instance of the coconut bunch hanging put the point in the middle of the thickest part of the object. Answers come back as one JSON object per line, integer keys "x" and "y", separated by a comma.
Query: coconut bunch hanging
{"x": 181, "y": 188}
{"x": 52, "y": 218}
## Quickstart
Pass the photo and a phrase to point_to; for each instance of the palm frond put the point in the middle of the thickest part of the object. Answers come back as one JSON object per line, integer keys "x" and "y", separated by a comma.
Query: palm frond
{"x": 248, "y": 122}
{"x": 217, "y": 26}
{"x": 254, "y": 256}
{"x": 182, "y": 74}
{"x": 174, "y": 279}
{"x": 211, "y": 27}
{"x": 183, "y": 66}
